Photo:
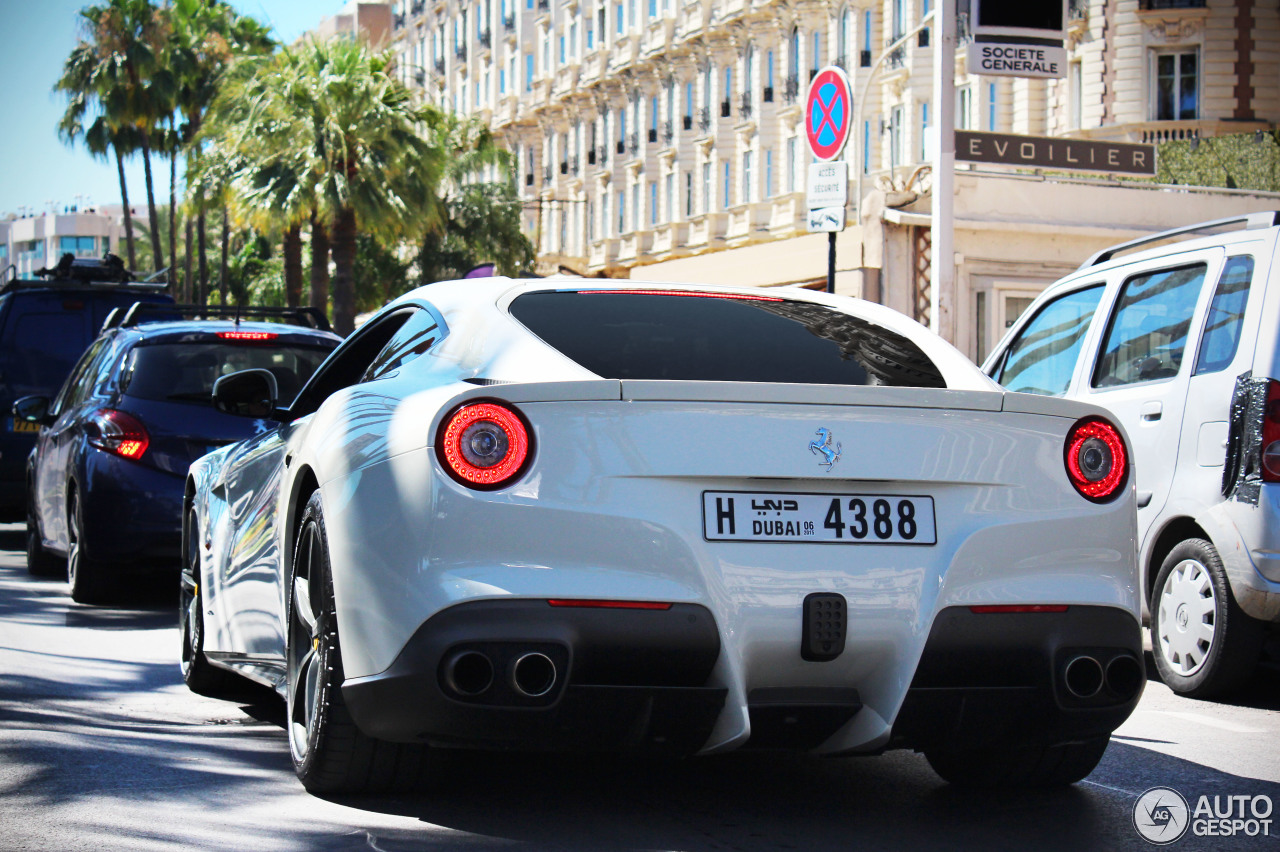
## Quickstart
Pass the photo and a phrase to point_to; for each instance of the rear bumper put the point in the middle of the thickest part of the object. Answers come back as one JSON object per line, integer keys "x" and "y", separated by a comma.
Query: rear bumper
{"x": 132, "y": 513}
{"x": 1001, "y": 678}
{"x": 622, "y": 679}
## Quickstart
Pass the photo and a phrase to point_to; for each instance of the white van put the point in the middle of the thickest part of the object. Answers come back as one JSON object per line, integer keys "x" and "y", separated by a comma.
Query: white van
{"x": 1179, "y": 341}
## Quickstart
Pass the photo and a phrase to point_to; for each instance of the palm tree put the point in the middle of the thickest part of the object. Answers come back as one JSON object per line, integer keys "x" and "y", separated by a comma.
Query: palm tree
{"x": 324, "y": 127}
{"x": 132, "y": 87}
{"x": 106, "y": 135}
{"x": 204, "y": 37}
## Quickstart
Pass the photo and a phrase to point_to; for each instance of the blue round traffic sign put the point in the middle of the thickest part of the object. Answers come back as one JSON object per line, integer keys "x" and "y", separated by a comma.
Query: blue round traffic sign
{"x": 828, "y": 113}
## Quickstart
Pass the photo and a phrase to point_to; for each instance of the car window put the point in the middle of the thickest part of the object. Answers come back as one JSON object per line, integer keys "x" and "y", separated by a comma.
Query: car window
{"x": 621, "y": 334}
{"x": 185, "y": 372}
{"x": 418, "y": 334}
{"x": 82, "y": 379}
{"x": 43, "y": 348}
{"x": 1149, "y": 325}
{"x": 1042, "y": 358}
{"x": 1226, "y": 315}
{"x": 349, "y": 361}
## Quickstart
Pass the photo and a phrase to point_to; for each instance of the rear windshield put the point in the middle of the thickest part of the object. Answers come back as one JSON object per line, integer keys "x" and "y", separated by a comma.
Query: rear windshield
{"x": 185, "y": 372}
{"x": 633, "y": 335}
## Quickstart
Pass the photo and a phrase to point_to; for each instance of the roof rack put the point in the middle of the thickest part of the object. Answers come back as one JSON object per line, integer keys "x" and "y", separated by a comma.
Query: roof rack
{"x": 1251, "y": 222}
{"x": 134, "y": 315}
{"x": 72, "y": 271}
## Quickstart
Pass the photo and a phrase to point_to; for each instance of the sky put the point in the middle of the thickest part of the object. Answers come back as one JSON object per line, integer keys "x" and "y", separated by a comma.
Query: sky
{"x": 37, "y": 169}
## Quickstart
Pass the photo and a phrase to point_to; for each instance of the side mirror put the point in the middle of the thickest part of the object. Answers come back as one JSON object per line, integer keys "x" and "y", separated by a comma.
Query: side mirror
{"x": 248, "y": 393}
{"x": 33, "y": 409}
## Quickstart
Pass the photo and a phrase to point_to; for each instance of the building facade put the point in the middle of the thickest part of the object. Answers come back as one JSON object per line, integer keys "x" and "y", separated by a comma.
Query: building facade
{"x": 30, "y": 243}
{"x": 663, "y": 139}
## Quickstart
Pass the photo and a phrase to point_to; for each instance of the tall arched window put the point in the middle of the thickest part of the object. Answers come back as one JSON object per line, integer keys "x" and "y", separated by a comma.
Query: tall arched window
{"x": 793, "y": 58}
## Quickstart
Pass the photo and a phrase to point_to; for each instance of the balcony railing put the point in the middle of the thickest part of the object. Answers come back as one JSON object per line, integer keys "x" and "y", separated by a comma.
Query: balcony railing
{"x": 744, "y": 105}
{"x": 724, "y": 108}
{"x": 544, "y": 5}
{"x": 768, "y": 94}
{"x": 687, "y": 122}
{"x": 546, "y": 175}
{"x": 460, "y": 51}
{"x": 420, "y": 77}
{"x": 668, "y": 132}
{"x": 418, "y": 7}
{"x": 1077, "y": 10}
{"x": 791, "y": 88}
{"x": 439, "y": 64}
{"x": 602, "y": 155}
{"x": 591, "y": 156}
{"x": 704, "y": 119}
{"x": 485, "y": 38}
{"x": 633, "y": 142}
{"x": 653, "y": 135}
{"x": 896, "y": 58}
{"x": 573, "y": 165}
{"x": 509, "y": 23}
{"x": 397, "y": 21}
{"x": 564, "y": 167}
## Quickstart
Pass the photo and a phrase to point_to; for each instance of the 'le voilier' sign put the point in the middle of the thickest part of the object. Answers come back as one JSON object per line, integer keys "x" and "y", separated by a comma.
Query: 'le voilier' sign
{"x": 1042, "y": 152}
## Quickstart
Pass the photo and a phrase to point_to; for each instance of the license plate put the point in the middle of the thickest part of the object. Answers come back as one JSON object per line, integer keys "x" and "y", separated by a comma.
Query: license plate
{"x": 25, "y": 426}
{"x": 818, "y": 518}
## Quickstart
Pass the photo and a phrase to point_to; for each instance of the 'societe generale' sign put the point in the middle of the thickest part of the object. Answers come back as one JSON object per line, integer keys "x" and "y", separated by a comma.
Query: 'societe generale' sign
{"x": 1041, "y": 152}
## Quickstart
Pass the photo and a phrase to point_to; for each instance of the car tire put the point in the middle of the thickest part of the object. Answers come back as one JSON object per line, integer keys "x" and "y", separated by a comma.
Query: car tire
{"x": 40, "y": 562}
{"x": 198, "y": 673}
{"x": 85, "y": 575}
{"x": 330, "y": 754}
{"x": 1203, "y": 643}
{"x": 1044, "y": 766}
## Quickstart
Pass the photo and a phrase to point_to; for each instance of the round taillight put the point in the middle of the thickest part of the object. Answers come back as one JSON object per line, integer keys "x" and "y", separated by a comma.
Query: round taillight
{"x": 1271, "y": 458}
{"x": 484, "y": 445}
{"x": 1097, "y": 460}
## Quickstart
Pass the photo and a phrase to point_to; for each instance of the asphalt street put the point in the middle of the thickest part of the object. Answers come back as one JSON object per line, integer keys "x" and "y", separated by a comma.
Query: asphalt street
{"x": 103, "y": 748}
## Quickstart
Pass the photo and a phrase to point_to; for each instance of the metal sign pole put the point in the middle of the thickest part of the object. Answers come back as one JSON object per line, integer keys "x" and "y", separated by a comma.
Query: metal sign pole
{"x": 831, "y": 262}
{"x": 942, "y": 267}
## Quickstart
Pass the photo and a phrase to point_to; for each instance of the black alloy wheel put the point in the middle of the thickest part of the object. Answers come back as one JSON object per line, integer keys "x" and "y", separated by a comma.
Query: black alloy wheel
{"x": 330, "y": 754}
{"x": 40, "y": 562}
{"x": 84, "y": 573}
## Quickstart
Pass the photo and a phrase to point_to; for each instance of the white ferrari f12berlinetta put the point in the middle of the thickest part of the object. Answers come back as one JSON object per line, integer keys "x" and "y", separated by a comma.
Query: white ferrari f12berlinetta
{"x": 573, "y": 514}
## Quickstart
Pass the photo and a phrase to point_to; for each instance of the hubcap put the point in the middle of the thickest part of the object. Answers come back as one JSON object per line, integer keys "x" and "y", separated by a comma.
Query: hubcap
{"x": 73, "y": 533}
{"x": 1188, "y": 609}
{"x": 189, "y": 603}
{"x": 306, "y": 661}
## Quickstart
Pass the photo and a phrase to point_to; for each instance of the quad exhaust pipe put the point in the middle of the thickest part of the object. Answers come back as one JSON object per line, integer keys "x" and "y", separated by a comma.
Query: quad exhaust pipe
{"x": 471, "y": 674}
{"x": 533, "y": 675}
{"x": 1084, "y": 677}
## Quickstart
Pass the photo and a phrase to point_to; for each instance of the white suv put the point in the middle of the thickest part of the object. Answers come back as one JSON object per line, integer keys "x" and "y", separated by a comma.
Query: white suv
{"x": 1180, "y": 343}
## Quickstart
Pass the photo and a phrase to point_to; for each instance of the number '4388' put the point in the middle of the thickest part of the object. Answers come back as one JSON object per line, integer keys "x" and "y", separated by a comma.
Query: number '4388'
{"x": 881, "y": 520}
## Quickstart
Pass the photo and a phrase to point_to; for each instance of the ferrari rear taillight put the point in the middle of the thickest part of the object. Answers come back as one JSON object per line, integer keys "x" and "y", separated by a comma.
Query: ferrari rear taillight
{"x": 484, "y": 445}
{"x": 1096, "y": 458}
{"x": 118, "y": 433}
{"x": 1271, "y": 434}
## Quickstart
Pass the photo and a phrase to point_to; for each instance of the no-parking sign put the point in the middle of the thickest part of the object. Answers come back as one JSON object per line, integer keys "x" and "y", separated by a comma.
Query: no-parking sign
{"x": 828, "y": 113}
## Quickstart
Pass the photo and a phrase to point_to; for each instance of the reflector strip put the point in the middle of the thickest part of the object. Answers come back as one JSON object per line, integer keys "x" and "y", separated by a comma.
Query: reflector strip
{"x": 590, "y": 604}
{"x": 693, "y": 293}
{"x": 248, "y": 335}
{"x": 986, "y": 610}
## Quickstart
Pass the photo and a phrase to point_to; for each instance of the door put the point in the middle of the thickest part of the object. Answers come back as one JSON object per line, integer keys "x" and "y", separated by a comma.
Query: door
{"x": 1144, "y": 363}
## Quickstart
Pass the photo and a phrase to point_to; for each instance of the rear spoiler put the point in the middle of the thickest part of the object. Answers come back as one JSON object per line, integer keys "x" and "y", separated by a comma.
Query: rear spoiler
{"x": 136, "y": 314}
